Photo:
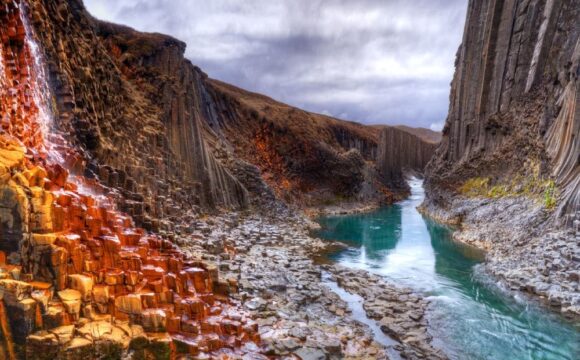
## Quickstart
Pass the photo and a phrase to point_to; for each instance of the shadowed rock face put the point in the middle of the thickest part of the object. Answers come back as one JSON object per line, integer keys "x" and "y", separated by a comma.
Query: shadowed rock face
{"x": 140, "y": 128}
{"x": 514, "y": 96}
{"x": 400, "y": 151}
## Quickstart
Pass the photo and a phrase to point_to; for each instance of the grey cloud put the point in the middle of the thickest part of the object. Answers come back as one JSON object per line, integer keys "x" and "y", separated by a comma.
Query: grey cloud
{"x": 373, "y": 61}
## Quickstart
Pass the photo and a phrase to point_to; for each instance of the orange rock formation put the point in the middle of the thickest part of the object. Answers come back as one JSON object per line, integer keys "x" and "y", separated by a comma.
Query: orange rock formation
{"x": 76, "y": 276}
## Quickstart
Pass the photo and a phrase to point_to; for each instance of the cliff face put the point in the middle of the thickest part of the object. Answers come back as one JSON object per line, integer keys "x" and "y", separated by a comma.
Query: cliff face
{"x": 400, "y": 150}
{"x": 140, "y": 129}
{"x": 301, "y": 156}
{"x": 78, "y": 279}
{"x": 306, "y": 158}
{"x": 513, "y": 106}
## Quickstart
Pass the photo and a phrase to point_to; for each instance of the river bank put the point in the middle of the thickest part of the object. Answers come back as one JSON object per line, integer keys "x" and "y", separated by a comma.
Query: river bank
{"x": 468, "y": 312}
{"x": 294, "y": 287}
{"x": 520, "y": 251}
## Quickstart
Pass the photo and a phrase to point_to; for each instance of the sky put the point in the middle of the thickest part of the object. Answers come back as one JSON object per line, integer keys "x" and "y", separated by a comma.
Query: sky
{"x": 371, "y": 61}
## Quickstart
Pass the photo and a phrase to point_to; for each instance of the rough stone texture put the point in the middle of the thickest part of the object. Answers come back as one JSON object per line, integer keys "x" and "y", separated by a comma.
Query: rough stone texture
{"x": 513, "y": 102}
{"x": 290, "y": 298}
{"x": 77, "y": 277}
{"x": 401, "y": 151}
{"x": 140, "y": 129}
{"x": 400, "y": 313}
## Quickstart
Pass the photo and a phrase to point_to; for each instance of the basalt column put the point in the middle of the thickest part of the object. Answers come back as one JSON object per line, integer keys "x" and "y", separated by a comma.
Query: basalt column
{"x": 138, "y": 136}
{"x": 78, "y": 279}
{"x": 513, "y": 110}
{"x": 400, "y": 151}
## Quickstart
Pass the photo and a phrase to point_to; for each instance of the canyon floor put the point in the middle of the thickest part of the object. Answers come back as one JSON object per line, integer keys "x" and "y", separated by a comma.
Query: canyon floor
{"x": 286, "y": 293}
{"x": 303, "y": 304}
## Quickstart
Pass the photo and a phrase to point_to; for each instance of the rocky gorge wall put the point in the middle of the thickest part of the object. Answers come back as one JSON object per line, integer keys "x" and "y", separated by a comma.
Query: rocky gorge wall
{"x": 400, "y": 151}
{"x": 310, "y": 158}
{"x": 513, "y": 103}
{"x": 508, "y": 167}
{"x": 78, "y": 278}
{"x": 140, "y": 132}
{"x": 304, "y": 157}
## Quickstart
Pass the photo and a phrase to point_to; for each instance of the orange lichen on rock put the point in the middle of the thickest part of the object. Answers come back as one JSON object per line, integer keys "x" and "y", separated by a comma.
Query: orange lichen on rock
{"x": 76, "y": 276}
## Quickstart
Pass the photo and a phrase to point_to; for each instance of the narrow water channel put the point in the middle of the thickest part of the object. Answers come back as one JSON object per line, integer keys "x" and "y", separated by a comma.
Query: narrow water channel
{"x": 471, "y": 317}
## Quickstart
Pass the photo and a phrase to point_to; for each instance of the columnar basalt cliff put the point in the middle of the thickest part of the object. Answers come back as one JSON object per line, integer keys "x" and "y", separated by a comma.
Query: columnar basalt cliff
{"x": 305, "y": 157}
{"x": 303, "y": 154}
{"x": 78, "y": 279}
{"x": 508, "y": 167}
{"x": 142, "y": 136}
{"x": 513, "y": 105}
{"x": 401, "y": 151}
{"x": 296, "y": 152}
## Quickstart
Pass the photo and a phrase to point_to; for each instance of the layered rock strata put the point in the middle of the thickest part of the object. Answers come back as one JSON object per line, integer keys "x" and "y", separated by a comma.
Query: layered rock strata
{"x": 77, "y": 277}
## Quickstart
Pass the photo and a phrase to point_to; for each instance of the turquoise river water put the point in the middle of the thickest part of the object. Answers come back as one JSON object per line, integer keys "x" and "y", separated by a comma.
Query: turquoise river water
{"x": 471, "y": 317}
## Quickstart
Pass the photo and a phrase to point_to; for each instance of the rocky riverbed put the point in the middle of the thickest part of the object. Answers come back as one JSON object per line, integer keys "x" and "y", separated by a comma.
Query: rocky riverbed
{"x": 298, "y": 315}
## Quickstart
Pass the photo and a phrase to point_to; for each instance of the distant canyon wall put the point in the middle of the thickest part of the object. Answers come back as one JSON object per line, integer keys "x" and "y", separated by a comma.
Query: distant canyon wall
{"x": 305, "y": 158}
{"x": 399, "y": 151}
{"x": 514, "y": 98}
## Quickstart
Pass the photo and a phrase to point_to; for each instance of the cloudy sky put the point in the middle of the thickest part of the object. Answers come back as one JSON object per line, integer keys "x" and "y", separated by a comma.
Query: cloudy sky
{"x": 372, "y": 61}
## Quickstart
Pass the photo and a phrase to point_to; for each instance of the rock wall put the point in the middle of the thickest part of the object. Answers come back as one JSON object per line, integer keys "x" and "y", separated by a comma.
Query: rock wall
{"x": 399, "y": 151}
{"x": 78, "y": 279}
{"x": 306, "y": 158}
{"x": 139, "y": 128}
{"x": 513, "y": 103}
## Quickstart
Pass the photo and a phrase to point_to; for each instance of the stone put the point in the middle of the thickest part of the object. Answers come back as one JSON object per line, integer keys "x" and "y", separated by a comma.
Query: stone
{"x": 71, "y": 300}
{"x": 130, "y": 304}
{"x": 310, "y": 354}
{"x": 82, "y": 284}
{"x": 64, "y": 334}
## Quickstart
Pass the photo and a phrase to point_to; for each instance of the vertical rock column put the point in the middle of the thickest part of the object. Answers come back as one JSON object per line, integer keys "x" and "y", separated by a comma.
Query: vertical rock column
{"x": 77, "y": 278}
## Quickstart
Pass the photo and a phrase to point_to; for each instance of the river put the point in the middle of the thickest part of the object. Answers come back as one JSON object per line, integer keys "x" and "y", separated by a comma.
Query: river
{"x": 470, "y": 315}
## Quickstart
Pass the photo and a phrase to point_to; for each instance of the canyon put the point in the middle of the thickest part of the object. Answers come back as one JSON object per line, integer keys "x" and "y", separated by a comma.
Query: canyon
{"x": 113, "y": 147}
{"x": 148, "y": 211}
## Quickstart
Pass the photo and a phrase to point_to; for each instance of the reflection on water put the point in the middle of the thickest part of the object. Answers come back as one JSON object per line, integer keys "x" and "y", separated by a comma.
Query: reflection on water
{"x": 472, "y": 318}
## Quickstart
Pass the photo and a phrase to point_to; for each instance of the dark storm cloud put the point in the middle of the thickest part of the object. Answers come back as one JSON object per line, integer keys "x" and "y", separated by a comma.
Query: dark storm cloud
{"x": 374, "y": 61}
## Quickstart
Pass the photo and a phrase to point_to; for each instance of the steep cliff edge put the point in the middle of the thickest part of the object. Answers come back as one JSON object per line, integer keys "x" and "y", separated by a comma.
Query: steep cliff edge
{"x": 306, "y": 158}
{"x": 508, "y": 167}
{"x": 302, "y": 157}
{"x": 271, "y": 148}
{"x": 144, "y": 138}
{"x": 513, "y": 103}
